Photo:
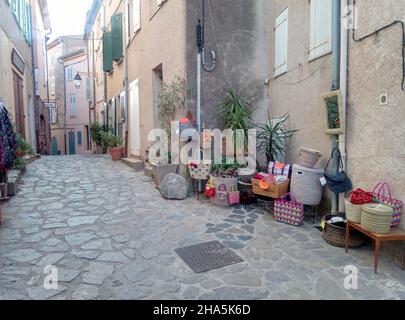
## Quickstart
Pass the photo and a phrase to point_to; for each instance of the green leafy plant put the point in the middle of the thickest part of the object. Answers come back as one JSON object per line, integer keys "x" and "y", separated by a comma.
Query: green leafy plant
{"x": 97, "y": 133}
{"x": 225, "y": 169}
{"x": 237, "y": 113}
{"x": 23, "y": 147}
{"x": 273, "y": 135}
{"x": 170, "y": 100}
{"x": 19, "y": 164}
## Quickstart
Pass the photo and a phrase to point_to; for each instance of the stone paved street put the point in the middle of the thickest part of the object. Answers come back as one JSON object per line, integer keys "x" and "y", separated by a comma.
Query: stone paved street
{"x": 112, "y": 236}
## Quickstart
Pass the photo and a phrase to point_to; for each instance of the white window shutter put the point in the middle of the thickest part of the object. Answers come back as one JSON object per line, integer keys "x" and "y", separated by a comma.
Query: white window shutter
{"x": 320, "y": 28}
{"x": 281, "y": 43}
{"x": 136, "y": 9}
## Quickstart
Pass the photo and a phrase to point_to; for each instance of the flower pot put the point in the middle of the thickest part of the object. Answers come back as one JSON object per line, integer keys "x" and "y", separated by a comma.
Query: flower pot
{"x": 116, "y": 153}
{"x": 160, "y": 171}
{"x": 99, "y": 150}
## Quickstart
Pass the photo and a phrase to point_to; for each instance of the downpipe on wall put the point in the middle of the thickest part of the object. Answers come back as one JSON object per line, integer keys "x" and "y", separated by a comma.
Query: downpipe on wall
{"x": 336, "y": 56}
{"x": 344, "y": 39}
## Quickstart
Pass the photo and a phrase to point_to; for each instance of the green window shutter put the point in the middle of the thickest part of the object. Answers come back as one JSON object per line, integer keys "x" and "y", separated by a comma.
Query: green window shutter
{"x": 79, "y": 138}
{"x": 117, "y": 40}
{"x": 107, "y": 52}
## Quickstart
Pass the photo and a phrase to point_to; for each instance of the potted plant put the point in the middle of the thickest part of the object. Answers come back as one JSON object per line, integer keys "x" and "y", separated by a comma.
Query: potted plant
{"x": 171, "y": 99}
{"x": 237, "y": 114}
{"x": 273, "y": 137}
{"x": 114, "y": 146}
{"x": 98, "y": 136}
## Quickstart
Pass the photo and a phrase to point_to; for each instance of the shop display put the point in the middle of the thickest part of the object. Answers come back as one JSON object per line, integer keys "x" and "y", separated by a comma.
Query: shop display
{"x": 200, "y": 171}
{"x": 354, "y": 204}
{"x": 380, "y": 196}
{"x": 234, "y": 196}
{"x": 279, "y": 169}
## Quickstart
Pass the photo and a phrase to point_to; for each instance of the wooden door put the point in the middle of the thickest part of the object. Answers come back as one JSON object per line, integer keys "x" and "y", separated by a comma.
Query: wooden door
{"x": 19, "y": 104}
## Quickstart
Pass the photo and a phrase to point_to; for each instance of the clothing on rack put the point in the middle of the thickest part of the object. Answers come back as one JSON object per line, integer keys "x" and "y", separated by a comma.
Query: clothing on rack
{"x": 8, "y": 142}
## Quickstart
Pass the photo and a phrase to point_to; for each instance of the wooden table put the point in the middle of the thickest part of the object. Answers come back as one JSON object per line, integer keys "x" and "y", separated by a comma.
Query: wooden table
{"x": 394, "y": 235}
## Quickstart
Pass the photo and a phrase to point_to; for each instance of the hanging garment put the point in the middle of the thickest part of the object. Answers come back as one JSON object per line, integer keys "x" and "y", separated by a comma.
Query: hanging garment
{"x": 8, "y": 138}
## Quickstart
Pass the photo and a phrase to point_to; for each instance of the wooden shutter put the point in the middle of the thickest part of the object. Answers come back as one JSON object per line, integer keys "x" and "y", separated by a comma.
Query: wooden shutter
{"x": 107, "y": 52}
{"x": 281, "y": 43}
{"x": 320, "y": 28}
{"x": 136, "y": 10}
{"x": 117, "y": 39}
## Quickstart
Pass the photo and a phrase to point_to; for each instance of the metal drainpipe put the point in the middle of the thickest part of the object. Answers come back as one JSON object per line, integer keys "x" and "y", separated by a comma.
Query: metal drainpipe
{"x": 343, "y": 87}
{"x": 47, "y": 87}
{"x": 126, "y": 83}
{"x": 34, "y": 94}
{"x": 336, "y": 24}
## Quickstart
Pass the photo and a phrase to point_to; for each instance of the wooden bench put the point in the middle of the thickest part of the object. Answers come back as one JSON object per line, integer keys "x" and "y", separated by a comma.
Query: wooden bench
{"x": 394, "y": 235}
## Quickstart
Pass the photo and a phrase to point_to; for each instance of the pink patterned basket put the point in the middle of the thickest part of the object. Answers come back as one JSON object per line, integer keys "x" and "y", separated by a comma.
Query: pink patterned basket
{"x": 379, "y": 196}
{"x": 290, "y": 212}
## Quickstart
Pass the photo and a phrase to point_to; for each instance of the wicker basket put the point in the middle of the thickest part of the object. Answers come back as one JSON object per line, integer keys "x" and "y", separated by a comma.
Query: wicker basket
{"x": 335, "y": 235}
{"x": 376, "y": 218}
{"x": 161, "y": 171}
{"x": 306, "y": 185}
{"x": 200, "y": 171}
{"x": 308, "y": 158}
{"x": 353, "y": 211}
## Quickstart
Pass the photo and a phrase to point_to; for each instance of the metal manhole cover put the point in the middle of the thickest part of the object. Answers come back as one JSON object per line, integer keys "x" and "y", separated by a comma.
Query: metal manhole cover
{"x": 208, "y": 256}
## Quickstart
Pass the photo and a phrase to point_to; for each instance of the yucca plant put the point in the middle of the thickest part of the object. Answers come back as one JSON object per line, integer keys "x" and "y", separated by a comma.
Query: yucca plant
{"x": 273, "y": 135}
{"x": 237, "y": 114}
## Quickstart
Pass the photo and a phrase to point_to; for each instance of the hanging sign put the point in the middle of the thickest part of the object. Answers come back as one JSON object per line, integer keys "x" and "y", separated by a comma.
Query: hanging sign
{"x": 17, "y": 61}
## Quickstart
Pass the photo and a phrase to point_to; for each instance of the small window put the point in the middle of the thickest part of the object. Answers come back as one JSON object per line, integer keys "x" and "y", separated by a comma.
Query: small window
{"x": 281, "y": 43}
{"x": 54, "y": 115}
{"x": 320, "y": 28}
{"x": 79, "y": 138}
{"x": 73, "y": 106}
{"x": 70, "y": 74}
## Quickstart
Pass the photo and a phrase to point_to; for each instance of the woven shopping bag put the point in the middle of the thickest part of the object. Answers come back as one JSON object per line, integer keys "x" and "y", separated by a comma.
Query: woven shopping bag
{"x": 234, "y": 196}
{"x": 380, "y": 196}
{"x": 290, "y": 212}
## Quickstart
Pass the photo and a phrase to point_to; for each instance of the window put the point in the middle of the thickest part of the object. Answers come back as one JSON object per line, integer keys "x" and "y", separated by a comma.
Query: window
{"x": 320, "y": 28}
{"x": 54, "y": 115}
{"x": 53, "y": 85}
{"x": 72, "y": 105}
{"x": 79, "y": 138}
{"x": 70, "y": 73}
{"x": 281, "y": 43}
{"x": 136, "y": 14}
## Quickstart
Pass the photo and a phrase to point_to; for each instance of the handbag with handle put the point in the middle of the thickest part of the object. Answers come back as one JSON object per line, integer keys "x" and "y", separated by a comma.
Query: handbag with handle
{"x": 290, "y": 212}
{"x": 339, "y": 183}
{"x": 380, "y": 196}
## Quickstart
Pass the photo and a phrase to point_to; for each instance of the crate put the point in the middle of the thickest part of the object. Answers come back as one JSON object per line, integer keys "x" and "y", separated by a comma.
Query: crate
{"x": 276, "y": 191}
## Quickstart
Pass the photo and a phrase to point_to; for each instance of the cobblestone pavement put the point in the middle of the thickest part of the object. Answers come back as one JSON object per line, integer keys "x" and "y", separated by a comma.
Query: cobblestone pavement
{"x": 112, "y": 236}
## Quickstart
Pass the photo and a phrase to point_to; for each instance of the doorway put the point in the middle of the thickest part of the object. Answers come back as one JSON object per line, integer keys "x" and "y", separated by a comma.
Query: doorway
{"x": 19, "y": 104}
{"x": 72, "y": 143}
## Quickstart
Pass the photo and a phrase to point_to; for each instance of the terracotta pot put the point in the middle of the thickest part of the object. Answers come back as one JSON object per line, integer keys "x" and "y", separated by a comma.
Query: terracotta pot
{"x": 116, "y": 153}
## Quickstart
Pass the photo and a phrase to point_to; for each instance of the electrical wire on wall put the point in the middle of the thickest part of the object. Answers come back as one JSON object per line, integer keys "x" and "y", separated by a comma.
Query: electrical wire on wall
{"x": 396, "y": 22}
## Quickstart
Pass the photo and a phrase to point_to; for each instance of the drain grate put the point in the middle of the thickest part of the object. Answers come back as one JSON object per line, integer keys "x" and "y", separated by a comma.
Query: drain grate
{"x": 208, "y": 256}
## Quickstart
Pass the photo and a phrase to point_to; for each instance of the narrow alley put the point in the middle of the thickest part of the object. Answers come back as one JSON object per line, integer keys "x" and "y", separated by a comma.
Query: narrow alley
{"x": 110, "y": 235}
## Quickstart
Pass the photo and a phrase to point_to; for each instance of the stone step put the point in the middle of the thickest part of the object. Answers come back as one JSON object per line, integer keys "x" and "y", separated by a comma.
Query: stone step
{"x": 136, "y": 164}
{"x": 148, "y": 170}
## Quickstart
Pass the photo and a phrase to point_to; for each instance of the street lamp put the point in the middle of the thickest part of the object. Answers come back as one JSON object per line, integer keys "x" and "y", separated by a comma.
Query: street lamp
{"x": 77, "y": 80}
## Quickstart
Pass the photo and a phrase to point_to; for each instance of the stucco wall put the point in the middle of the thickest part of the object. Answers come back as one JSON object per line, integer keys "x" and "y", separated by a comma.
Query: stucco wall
{"x": 238, "y": 32}
{"x": 376, "y": 133}
{"x": 161, "y": 40}
{"x": 299, "y": 91}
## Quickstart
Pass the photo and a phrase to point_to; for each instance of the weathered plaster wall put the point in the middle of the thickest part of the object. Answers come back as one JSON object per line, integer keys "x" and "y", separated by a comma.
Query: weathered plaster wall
{"x": 299, "y": 91}
{"x": 376, "y": 133}
{"x": 238, "y": 31}
{"x": 11, "y": 36}
{"x": 161, "y": 40}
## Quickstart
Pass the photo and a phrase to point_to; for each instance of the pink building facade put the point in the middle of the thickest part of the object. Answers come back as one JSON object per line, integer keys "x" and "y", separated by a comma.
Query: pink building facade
{"x": 76, "y": 135}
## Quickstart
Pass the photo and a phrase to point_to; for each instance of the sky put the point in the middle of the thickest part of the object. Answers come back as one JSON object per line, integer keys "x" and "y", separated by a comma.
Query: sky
{"x": 68, "y": 16}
